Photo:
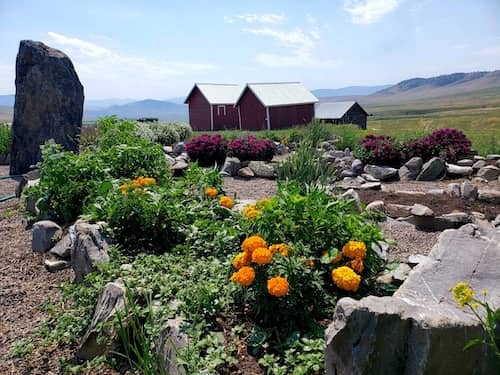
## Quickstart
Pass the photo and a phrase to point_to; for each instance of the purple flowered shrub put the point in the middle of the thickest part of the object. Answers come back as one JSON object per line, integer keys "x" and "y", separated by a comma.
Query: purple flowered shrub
{"x": 449, "y": 144}
{"x": 381, "y": 149}
{"x": 207, "y": 149}
{"x": 248, "y": 147}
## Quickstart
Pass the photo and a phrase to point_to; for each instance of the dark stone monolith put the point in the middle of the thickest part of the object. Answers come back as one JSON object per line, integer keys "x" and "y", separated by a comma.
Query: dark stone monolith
{"x": 49, "y": 104}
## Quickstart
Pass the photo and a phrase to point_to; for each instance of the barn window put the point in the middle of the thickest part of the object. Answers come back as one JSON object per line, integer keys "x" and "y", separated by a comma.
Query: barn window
{"x": 221, "y": 110}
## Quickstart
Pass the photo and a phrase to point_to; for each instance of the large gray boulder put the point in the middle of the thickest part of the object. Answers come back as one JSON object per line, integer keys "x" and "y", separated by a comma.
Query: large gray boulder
{"x": 411, "y": 169}
{"x": 432, "y": 170}
{"x": 231, "y": 166}
{"x": 44, "y": 235}
{"x": 421, "y": 329}
{"x": 381, "y": 173}
{"x": 170, "y": 340}
{"x": 490, "y": 172}
{"x": 111, "y": 301}
{"x": 262, "y": 169}
{"x": 49, "y": 104}
{"x": 90, "y": 248}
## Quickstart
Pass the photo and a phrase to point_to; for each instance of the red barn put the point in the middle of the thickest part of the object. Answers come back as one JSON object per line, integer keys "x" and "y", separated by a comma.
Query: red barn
{"x": 211, "y": 106}
{"x": 275, "y": 106}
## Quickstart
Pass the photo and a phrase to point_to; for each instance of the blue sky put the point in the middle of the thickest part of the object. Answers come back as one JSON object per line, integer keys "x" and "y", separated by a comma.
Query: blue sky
{"x": 157, "y": 49}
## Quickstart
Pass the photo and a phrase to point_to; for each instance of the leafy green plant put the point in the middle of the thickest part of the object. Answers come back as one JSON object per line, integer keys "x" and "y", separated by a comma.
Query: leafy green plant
{"x": 5, "y": 138}
{"x": 184, "y": 130}
{"x": 115, "y": 132}
{"x": 165, "y": 134}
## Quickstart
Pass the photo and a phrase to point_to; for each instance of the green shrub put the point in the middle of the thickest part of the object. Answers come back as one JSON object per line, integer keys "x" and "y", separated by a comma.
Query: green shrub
{"x": 184, "y": 130}
{"x": 165, "y": 134}
{"x": 145, "y": 131}
{"x": 115, "y": 132}
{"x": 5, "y": 138}
{"x": 347, "y": 136}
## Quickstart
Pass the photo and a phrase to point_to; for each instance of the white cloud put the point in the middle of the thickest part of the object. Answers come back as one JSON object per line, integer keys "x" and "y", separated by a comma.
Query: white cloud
{"x": 297, "y": 38}
{"x": 369, "y": 11}
{"x": 93, "y": 58}
{"x": 269, "y": 18}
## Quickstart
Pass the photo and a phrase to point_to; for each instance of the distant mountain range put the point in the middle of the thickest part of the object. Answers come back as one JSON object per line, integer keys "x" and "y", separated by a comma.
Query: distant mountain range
{"x": 407, "y": 91}
{"x": 350, "y": 90}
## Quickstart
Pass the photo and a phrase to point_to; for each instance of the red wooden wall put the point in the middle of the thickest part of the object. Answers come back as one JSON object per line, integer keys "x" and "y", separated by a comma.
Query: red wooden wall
{"x": 253, "y": 113}
{"x": 199, "y": 111}
{"x": 227, "y": 121}
{"x": 283, "y": 117}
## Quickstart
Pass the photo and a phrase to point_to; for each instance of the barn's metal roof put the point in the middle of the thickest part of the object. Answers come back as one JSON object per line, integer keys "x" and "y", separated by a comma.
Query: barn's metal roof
{"x": 281, "y": 93}
{"x": 332, "y": 110}
{"x": 218, "y": 93}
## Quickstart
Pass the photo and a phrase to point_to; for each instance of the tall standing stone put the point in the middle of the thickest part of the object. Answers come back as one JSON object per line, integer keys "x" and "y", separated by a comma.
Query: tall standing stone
{"x": 49, "y": 104}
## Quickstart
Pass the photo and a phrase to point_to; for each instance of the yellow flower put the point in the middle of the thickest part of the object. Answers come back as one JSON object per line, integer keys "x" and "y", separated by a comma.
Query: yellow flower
{"x": 226, "y": 202}
{"x": 277, "y": 286}
{"x": 345, "y": 278}
{"x": 251, "y": 212}
{"x": 145, "y": 181}
{"x": 211, "y": 192}
{"x": 244, "y": 276}
{"x": 462, "y": 293}
{"x": 279, "y": 248}
{"x": 354, "y": 250}
{"x": 357, "y": 265}
{"x": 261, "y": 256}
{"x": 253, "y": 242}
{"x": 241, "y": 260}
{"x": 124, "y": 189}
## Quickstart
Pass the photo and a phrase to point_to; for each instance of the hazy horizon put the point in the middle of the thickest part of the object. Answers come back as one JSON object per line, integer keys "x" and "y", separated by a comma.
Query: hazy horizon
{"x": 158, "y": 50}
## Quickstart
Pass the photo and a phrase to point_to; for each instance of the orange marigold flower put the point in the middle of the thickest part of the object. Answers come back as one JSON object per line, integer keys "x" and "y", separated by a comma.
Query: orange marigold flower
{"x": 244, "y": 276}
{"x": 345, "y": 278}
{"x": 335, "y": 260}
{"x": 226, "y": 202}
{"x": 357, "y": 265}
{"x": 354, "y": 250}
{"x": 251, "y": 212}
{"x": 124, "y": 189}
{"x": 277, "y": 286}
{"x": 253, "y": 242}
{"x": 241, "y": 260}
{"x": 261, "y": 256}
{"x": 145, "y": 181}
{"x": 211, "y": 192}
{"x": 279, "y": 248}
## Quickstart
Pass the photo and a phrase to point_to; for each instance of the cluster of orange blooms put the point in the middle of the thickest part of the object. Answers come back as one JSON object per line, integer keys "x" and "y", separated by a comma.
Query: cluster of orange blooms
{"x": 255, "y": 250}
{"x": 252, "y": 211}
{"x": 224, "y": 201}
{"x": 137, "y": 185}
{"x": 345, "y": 277}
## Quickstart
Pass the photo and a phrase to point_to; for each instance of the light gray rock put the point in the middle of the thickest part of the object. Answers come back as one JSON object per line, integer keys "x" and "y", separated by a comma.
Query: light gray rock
{"x": 280, "y": 148}
{"x": 480, "y": 180}
{"x": 111, "y": 301}
{"x": 398, "y": 210}
{"x": 400, "y": 274}
{"x": 381, "y": 173}
{"x": 496, "y": 222}
{"x": 469, "y": 191}
{"x": 44, "y": 235}
{"x": 416, "y": 259}
{"x": 262, "y": 169}
{"x": 420, "y": 329}
{"x": 432, "y": 170}
{"x": 405, "y": 174}
{"x": 246, "y": 173}
{"x": 478, "y": 157}
{"x": 179, "y": 148}
{"x": 381, "y": 249}
{"x": 90, "y": 248}
{"x": 371, "y": 186}
{"x": 55, "y": 265}
{"x": 421, "y": 210}
{"x": 357, "y": 167}
{"x": 490, "y": 196}
{"x": 378, "y": 206}
{"x": 347, "y": 173}
{"x": 369, "y": 177}
{"x": 231, "y": 166}
{"x": 458, "y": 170}
{"x": 498, "y": 163}
{"x": 179, "y": 167}
{"x": 352, "y": 194}
{"x": 326, "y": 146}
{"x": 479, "y": 164}
{"x": 62, "y": 249}
{"x": 170, "y": 340}
{"x": 493, "y": 157}
{"x": 436, "y": 191}
{"x": 454, "y": 190}
{"x": 48, "y": 105}
{"x": 411, "y": 169}
{"x": 490, "y": 172}
{"x": 465, "y": 162}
